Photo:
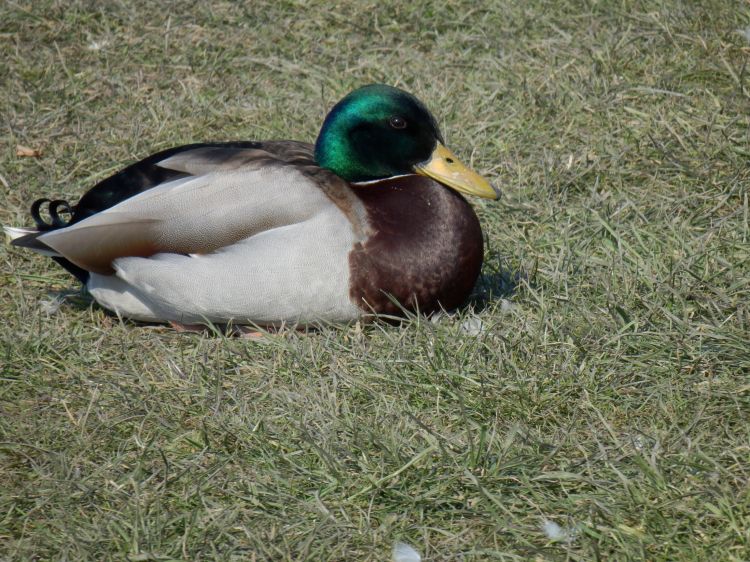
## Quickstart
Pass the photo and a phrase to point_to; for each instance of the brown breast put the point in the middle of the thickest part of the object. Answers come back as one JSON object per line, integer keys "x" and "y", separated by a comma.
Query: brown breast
{"x": 426, "y": 249}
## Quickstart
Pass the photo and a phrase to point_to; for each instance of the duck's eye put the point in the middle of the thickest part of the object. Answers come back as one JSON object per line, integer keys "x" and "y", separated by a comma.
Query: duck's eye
{"x": 398, "y": 122}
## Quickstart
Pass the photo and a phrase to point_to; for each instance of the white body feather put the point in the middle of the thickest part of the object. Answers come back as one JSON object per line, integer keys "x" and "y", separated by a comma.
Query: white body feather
{"x": 235, "y": 242}
{"x": 296, "y": 274}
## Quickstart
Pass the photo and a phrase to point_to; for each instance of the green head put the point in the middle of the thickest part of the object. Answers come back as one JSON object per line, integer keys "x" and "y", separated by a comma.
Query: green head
{"x": 376, "y": 131}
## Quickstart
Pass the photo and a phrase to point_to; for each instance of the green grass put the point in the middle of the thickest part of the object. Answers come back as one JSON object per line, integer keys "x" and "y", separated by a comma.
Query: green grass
{"x": 608, "y": 390}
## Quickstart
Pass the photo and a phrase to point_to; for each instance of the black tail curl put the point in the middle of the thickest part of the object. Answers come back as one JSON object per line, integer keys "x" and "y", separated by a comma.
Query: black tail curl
{"x": 54, "y": 208}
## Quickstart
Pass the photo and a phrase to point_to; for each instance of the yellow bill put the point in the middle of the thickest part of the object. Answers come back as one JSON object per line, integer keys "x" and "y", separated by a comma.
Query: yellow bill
{"x": 446, "y": 168}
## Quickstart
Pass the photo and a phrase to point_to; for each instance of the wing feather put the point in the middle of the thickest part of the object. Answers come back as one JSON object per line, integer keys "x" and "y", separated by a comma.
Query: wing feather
{"x": 16, "y": 232}
{"x": 232, "y": 194}
{"x": 211, "y": 159}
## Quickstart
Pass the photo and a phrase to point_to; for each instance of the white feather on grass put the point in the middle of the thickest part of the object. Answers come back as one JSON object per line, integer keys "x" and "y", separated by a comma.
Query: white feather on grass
{"x": 557, "y": 533}
{"x": 403, "y": 552}
{"x": 473, "y": 326}
{"x": 51, "y": 305}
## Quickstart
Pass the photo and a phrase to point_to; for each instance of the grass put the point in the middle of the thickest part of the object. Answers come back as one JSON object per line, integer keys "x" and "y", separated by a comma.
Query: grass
{"x": 606, "y": 390}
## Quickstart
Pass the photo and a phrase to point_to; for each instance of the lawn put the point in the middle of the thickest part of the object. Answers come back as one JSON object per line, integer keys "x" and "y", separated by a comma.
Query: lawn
{"x": 592, "y": 401}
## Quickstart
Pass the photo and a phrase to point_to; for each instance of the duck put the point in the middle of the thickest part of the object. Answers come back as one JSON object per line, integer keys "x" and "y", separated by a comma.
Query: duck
{"x": 369, "y": 220}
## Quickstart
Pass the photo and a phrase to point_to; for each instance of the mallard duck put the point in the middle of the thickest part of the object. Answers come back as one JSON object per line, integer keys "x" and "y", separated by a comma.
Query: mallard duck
{"x": 369, "y": 220}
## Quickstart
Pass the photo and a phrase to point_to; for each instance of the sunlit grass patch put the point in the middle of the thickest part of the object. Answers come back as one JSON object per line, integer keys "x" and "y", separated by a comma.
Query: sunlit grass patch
{"x": 591, "y": 403}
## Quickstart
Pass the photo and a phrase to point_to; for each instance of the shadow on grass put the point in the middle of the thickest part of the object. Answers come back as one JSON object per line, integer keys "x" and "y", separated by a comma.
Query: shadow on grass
{"x": 75, "y": 297}
{"x": 497, "y": 281}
